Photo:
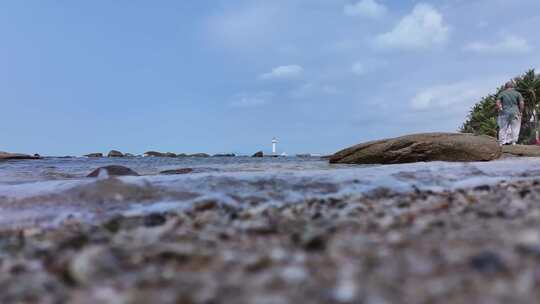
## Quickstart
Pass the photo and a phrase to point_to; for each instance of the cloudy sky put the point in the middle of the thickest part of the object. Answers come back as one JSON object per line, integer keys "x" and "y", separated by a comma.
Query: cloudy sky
{"x": 228, "y": 75}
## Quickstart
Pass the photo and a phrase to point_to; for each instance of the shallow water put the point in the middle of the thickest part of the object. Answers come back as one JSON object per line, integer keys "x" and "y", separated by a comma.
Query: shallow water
{"x": 49, "y": 191}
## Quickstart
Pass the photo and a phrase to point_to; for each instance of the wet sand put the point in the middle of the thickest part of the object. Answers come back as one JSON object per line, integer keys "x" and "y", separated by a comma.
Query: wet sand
{"x": 471, "y": 245}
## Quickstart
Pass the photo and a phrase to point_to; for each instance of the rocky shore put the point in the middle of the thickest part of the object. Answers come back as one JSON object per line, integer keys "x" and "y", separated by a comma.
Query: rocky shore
{"x": 477, "y": 245}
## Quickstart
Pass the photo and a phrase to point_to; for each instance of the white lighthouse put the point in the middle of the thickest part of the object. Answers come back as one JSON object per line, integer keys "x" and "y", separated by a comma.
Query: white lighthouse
{"x": 274, "y": 143}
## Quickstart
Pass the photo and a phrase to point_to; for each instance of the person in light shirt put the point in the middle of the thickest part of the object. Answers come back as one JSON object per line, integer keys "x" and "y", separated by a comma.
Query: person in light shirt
{"x": 510, "y": 105}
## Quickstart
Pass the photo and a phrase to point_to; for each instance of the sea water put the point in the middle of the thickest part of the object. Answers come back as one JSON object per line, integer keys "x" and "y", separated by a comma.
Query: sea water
{"x": 51, "y": 190}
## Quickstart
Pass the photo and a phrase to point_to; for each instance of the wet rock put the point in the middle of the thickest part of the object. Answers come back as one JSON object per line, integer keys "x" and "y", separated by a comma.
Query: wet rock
{"x": 115, "y": 153}
{"x": 456, "y": 147}
{"x": 154, "y": 219}
{"x": 204, "y": 205}
{"x": 258, "y": 154}
{"x": 96, "y": 155}
{"x": 15, "y": 156}
{"x": 129, "y": 155}
{"x": 482, "y": 188}
{"x": 177, "y": 171}
{"x": 488, "y": 263}
{"x": 113, "y": 170}
{"x": 311, "y": 239}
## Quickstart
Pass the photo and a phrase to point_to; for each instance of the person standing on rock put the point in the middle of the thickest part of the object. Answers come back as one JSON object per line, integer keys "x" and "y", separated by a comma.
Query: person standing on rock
{"x": 510, "y": 105}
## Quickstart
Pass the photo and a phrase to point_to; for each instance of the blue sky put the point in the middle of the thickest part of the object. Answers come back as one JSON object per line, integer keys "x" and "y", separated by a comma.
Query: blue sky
{"x": 227, "y": 76}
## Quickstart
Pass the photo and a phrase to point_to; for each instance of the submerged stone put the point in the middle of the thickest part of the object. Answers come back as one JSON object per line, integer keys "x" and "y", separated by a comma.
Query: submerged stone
{"x": 177, "y": 171}
{"x": 113, "y": 170}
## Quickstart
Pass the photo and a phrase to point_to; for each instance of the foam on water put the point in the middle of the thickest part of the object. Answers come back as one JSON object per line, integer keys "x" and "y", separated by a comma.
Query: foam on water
{"x": 237, "y": 182}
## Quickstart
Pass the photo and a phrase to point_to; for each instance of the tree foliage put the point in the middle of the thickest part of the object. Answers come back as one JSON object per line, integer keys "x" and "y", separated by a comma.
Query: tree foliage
{"x": 482, "y": 118}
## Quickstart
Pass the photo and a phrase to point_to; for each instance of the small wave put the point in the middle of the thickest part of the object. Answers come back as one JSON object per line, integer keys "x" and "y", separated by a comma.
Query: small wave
{"x": 95, "y": 198}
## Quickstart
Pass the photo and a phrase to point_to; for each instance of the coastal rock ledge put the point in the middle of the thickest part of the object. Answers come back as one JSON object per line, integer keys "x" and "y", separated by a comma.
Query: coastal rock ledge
{"x": 424, "y": 147}
{"x": 12, "y": 156}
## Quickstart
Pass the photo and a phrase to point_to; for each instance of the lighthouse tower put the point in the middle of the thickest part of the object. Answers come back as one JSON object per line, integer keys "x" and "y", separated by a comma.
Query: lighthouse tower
{"x": 274, "y": 143}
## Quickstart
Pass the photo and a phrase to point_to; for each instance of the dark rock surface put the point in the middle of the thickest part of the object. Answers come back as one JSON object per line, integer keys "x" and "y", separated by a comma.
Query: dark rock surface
{"x": 199, "y": 155}
{"x": 258, "y": 154}
{"x": 456, "y": 147}
{"x": 225, "y": 155}
{"x": 12, "y": 156}
{"x": 114, "y": 170}
{"x": 115, "y": 153}
{"x": 177, "y": 171}
{"x": 97, "y": 155}
{"x": 159, "y": 154}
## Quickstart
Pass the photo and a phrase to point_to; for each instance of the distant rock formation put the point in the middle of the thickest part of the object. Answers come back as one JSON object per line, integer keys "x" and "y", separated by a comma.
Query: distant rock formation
{"x": 258, "y": 154}
{"x": 10, "y": 156}
{"x": 97, "y": 155}
{"x": 115, "y": 153}
{"x": 199, "y": 155}
{"x": 159, "y": 154}
{"x": 225, "y": 155}
{"x": 114, "y": 170}
{"x": 455, "y": 147}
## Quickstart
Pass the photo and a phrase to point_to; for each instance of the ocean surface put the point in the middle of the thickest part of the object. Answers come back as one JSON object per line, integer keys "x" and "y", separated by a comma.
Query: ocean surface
{"x": 53, "y": 190}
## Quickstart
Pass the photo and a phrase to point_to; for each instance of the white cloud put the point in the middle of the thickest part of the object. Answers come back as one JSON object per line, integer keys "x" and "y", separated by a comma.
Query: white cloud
{"x": 508, "y": 45}
{"x": 245, "y": 100}
{"x": 284, "y": 72}
{"x": 365, "y": 8}
{"x": 454, "y": 97}
{"x": 422, "y": 29}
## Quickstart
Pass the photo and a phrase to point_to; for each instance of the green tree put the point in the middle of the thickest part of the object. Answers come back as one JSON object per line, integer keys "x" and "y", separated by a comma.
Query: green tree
{"x": 482, "y": 118}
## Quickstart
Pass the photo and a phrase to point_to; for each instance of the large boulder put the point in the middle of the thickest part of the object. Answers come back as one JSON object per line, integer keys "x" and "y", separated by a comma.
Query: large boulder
{"x": 9, "y": 156}
{"x": 113, "y": 171}
{"x": 115, "y": 153}
{"x": 455, "y": 147}
{"x": 521, "y": 150}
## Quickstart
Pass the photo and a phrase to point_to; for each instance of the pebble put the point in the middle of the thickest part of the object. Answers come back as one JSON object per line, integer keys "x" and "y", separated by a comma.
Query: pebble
{"x": 294, "y": 274}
